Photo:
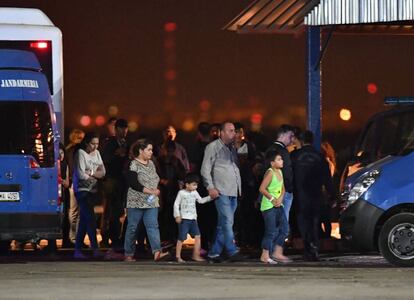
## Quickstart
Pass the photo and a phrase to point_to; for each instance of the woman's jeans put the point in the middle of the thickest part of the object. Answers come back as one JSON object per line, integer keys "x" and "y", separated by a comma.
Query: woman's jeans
{"x": 226, "y": 206}
{"x": 276, "y": 228}
{"x": 150, "y": 217}
{"x": 87, "y": 221}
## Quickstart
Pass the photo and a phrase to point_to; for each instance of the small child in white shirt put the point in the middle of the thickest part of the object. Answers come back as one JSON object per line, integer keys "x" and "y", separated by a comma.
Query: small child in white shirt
{"x": 185, "y": 215}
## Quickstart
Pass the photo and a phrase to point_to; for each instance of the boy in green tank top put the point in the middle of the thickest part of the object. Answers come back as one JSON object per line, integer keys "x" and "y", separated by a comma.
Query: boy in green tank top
{"x": 276, "y": 227}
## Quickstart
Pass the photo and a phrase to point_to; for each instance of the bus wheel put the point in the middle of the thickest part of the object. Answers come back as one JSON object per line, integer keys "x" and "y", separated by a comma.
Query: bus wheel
{"x": 4, "y": 246}
{"x": 396, "y": 240}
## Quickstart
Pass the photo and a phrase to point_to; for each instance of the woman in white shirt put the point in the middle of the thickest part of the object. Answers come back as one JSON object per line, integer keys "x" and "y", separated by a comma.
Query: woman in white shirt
{"x": 88, "y": 168}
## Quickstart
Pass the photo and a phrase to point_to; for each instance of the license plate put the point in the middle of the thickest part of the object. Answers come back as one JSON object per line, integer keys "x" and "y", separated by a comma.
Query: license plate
{"x": 9, "y": 196}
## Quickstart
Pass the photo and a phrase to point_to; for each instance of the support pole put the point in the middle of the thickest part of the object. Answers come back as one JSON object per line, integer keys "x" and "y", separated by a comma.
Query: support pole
{"x": 314, "y": 84}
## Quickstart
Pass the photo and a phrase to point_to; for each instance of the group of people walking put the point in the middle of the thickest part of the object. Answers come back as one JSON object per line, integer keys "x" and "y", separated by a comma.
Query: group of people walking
{"x": 141, "y": 190}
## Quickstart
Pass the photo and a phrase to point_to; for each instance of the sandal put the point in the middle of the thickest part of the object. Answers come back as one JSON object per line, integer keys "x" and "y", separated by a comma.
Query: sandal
{"x": 161, "y": 256}
{"x": 285, "y": 260}
{"x": 269, "y": 261}
{"x": 198, "y": 259}
{"x": 129, "y": 259}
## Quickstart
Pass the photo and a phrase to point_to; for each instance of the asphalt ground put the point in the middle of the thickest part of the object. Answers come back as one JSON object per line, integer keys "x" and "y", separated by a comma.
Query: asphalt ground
{"x": 39, "y": 275}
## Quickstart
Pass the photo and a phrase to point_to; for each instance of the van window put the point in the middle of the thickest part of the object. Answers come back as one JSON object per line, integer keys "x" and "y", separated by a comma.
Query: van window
{"x": 407, "y": 132}
{"x": 26, "y": 128}
{"x": 389, "y": 135}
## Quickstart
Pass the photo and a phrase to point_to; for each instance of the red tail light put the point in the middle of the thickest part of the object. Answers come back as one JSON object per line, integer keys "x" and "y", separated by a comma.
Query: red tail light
{"x": 33, "y": 164}
{"x": 39, "y": 45}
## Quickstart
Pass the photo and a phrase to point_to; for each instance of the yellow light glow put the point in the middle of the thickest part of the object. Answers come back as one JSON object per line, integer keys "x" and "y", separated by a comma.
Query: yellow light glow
{"x": 113, "y": 110}
{"x": 345, "y": 114}
{"x": 188, "y": 125}
{"x": 132, "y": 126}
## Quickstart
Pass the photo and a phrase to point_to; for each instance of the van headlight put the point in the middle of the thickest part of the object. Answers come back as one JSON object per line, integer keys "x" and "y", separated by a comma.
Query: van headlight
{"x": 362, "y": 185}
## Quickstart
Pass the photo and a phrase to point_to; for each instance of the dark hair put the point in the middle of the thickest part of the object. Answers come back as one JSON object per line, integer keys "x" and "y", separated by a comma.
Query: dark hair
{"x": 222, "y": 125}
{"x": 89, "y": 136}
{"x": 271, "y": 155}
{"x": 238, "y": 125}
{"x": 111, "y": 120}
{"x": 306, "y": 137}
{"x": 296, "y": 130}
{"x": 140, "y": 144}
{"x": 204, "y": 128}
{"x": 191, "y": 177}
{"x": 283, "y": 129}
{"x": 121, "y": 123}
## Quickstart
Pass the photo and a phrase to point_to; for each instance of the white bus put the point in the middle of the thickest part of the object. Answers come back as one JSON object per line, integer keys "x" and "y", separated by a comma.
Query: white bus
{"x": 30, "y": 29}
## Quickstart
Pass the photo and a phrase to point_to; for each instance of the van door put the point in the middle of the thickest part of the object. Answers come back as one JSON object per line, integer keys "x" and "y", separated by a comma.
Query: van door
{"x": 13, "y": 183}
{"x": 28, "y": 154}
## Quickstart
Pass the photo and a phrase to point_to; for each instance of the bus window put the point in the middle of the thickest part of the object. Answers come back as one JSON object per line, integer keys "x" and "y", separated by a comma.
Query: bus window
{"x": 31, "y": 133}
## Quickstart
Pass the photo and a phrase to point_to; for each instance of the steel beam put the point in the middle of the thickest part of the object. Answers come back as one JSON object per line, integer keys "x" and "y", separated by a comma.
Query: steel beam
{"x": 314, "y": 83}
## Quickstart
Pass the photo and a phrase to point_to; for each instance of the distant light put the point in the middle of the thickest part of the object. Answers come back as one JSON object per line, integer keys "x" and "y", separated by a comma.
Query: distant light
{"x": 39, "y": 45}
{"x": 100, "y": 120}
{"x": 372, "y": 88}
{"x": 256, "y": 118}
{"x": 188, "y": 125}
{"x": 205, "y": 105}
{"x": 345, "y": 114}
{"x": 132, "y": 126}
{"x": 170, "y": 75}
{"x": 85, "y": 121}
{"x": 113, "y": 110}
{"x": 170, "y": 27}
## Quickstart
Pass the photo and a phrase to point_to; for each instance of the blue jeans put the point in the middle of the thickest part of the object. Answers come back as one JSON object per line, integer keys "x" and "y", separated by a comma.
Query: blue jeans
{"x": 287, "y": 203}
{"x": 276, "y": 229}
{"x": 187, "y": 227}
{"x": 226, "y": 206}
{"x": 87, "y": 222}
{"x": 150, "y": 217}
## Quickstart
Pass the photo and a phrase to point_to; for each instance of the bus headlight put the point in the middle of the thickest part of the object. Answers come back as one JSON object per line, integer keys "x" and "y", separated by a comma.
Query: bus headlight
{"x": 362, "y": 185}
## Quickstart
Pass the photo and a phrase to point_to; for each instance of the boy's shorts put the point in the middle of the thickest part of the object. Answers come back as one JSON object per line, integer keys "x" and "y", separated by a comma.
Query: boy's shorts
{"x": 187, "y": 227}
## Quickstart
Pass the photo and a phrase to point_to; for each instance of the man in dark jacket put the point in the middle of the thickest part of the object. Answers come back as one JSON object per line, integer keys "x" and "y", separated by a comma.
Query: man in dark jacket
{"x": 284, "y": 139}
{"x": 311, "y": 173}
{"x": 115, "y": 157}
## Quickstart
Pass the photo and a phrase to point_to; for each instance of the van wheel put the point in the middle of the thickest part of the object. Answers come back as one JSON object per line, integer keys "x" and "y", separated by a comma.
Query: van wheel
{"x": 396, "y": 240}
{"x": 4, "y": 246}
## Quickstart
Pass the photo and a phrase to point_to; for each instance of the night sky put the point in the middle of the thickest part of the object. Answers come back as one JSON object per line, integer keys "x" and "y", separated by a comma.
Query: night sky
{"x": 114, "y": 55}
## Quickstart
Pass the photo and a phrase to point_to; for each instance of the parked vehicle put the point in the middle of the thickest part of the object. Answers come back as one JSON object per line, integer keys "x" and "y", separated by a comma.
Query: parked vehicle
{"x": 379, "y": 197}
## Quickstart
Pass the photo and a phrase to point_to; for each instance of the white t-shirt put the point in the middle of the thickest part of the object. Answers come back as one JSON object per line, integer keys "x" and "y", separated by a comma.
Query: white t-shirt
{"x": 185, "y": 204}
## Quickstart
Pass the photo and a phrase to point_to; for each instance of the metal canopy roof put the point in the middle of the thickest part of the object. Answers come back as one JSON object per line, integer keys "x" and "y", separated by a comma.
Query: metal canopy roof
{"x": 348, "y": 16}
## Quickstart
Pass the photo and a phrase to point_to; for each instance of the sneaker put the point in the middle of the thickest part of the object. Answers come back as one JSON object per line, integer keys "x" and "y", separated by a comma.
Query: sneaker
{"x": 214, "y": 259}
{"x": 79, "y": 255}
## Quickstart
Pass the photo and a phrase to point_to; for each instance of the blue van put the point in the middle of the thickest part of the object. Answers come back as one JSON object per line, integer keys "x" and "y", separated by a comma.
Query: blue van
{"x": 29, "y": 208}
{"x": 379, "y": 197}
